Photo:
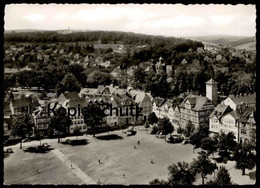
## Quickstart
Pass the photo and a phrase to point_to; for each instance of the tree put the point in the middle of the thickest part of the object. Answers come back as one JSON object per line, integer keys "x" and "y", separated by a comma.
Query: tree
{"x": 209, "y": 144}
{"x": 181, "y": 173}
{"x": 93, "y": 116}
{"x": 155, "y": 129}
{"x": 108, "y": 127}
{"x": 245, "y": 158}
{"x": 223, "y": 176}
{"x": 156, "y": 181}
{"x": 98, "y": 78}
{"x": 70, "y": 83}
{"x": 202, "y": 132}
{"x": 189, "y": 129}
{"x": 226, "y": 144}
{"x": 39, "y": 136}
{"x": 60, "y": 124}
{"x": 165, "y": 126}
{"x": 152, "y": 118}
{"x": 146, "y": 126}
{"x": 78, "y": 71}
{"x": 43, "y": 95}
{"x": 76, "y": 131}
{"x": 139, "y": 78}
{"x": 180, "y": 130}
{"x": 203, "y": 166}
{"x": 23, "y": 126}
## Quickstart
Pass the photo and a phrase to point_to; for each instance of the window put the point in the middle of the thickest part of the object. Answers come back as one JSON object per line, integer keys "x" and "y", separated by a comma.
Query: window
{"x": 243, "y": 131}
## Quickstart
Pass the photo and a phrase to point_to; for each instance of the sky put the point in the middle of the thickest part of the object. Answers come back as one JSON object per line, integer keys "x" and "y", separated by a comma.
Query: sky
{"x": 155, "y": 19}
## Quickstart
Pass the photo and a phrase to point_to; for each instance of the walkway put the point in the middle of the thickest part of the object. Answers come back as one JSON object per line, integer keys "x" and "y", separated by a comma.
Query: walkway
{"x": 76, "y": 170}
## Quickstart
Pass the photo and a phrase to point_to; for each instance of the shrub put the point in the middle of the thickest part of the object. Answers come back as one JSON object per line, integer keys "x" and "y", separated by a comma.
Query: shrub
{"x": 154, "y": 130}
{"x": 252, "y": 175}
{"x": 225, "y": 160}
{"x": 180, "y": 130}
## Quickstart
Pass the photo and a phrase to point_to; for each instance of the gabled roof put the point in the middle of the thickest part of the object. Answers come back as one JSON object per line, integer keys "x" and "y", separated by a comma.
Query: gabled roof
{"x": 116, "y": 70}
{"x": 138, "y": 96}
{"x": 89, "y": 91}
{"x": 211, "y": 81}
{"x": 121, "y": 98}
{"x": 220, "y": 110}
{"x": 100, "y": 88}
{"x": 200, "y": 101}
{"x": 159, "y": 101}
{"x": 196, "y": 101}
{"x": 235, "y": 114}
{"x": 18, "y": 103}
{"x": 246, "y": 114}
{"x": 251, "y": 98}
{"x": 71, "y": 95}
{"x": 184, "y": 61}
{"x": 76, "y": 102}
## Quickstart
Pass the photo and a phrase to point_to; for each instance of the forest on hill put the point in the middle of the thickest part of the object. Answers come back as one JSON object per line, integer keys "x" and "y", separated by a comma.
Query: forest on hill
{"x": 191, "y": 68}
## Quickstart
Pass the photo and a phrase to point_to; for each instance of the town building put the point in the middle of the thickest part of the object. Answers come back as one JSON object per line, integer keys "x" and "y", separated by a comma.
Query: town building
{"x": 236, "y": 102}
{"x": 72, "y": 100}
{"x": 20, "y": 105}
{"x": 42, "y": 119}
{"x": 116, "y": 72}
{"x": 157, "y": 103}
{"x": 195, "y": 109}
{"x": 177, "y": 116}
{"x": 215, "y": 117}
{"x": 247, "y": 126}
{"x": 143, "y": 101}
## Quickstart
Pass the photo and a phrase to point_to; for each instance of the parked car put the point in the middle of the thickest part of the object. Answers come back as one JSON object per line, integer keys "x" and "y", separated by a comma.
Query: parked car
{"x": 45, "y": 145}
{"x": 175, "y": 139}
{"x": 130, "y": 131}
{"x": 185, "y": 141}
{"x": 9, "y": 150}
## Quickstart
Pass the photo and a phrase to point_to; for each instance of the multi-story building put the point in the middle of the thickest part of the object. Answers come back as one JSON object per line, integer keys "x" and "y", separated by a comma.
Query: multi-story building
{"x": 215, "y": 117}
{"x": 196, "y": 109}
{"x": 20, "y": 105}
{"x": 236, "y": 102}
{"x": 42, "y": 119}
{"x": 78, "y": 118}
{"x": 240, "y": 121}
{"x": 72, "y": 100}
{"x": 247, "y": 126}
{"x": 143, "y": 101}
{"x": 177, "y": 116}
{"x": 157, "y": 103}
{"x": 122, "y": 104}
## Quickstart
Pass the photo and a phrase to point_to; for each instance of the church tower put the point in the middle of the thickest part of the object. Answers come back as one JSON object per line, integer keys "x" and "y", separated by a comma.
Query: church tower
{"x": 212, "y": 91}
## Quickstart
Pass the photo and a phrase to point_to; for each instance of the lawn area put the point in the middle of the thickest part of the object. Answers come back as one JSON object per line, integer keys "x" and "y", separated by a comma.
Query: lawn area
{"x": 117, "y": 156}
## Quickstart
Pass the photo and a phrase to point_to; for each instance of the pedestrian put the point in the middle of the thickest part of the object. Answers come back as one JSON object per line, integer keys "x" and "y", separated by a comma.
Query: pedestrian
{"x": 124, "y": 175}
{"x": 37, "y": 171}
{"x": 71, "y": 166}
{"x": 99, "y": 161}
{"x": 151, "y": 161}
{"x": 134, "y": 147}
{"x": 138, "y": 142}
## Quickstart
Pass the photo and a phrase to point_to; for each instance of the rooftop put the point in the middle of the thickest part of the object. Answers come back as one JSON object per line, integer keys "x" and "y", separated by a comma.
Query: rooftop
{"x": 251, "y": 98}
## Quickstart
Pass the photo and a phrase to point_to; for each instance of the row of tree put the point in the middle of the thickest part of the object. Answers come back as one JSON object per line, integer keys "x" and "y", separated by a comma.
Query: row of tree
{"x": 184, "y": 173}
